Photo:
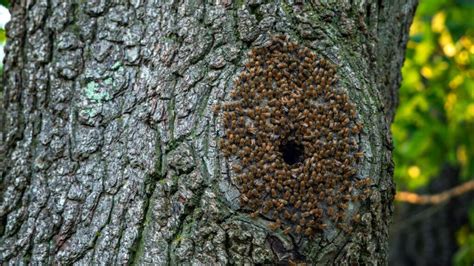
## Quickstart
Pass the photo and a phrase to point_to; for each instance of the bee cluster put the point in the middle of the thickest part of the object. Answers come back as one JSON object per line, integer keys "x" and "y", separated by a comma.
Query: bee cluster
{"x": 293, "y": 140}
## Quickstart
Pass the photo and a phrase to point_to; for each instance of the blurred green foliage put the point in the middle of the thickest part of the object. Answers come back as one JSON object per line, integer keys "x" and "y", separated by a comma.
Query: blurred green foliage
{"x": 465, "y": 238}
{"x": 3, "y": 36}
{"x": 434, "y": 123}
{"x": 3, "y": 39}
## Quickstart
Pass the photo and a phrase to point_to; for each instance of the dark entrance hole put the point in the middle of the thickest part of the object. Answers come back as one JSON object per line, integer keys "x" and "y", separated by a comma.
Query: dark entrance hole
{"x": 292, "y": 152}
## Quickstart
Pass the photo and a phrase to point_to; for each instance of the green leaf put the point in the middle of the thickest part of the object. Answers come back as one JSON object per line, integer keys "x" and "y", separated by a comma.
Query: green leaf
{"x": 3, "y": 37}
{"x": 5, "y": 3}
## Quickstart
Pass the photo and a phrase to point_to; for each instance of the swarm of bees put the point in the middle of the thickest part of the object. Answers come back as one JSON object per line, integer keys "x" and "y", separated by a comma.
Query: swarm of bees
{"x": 292, "y": 138}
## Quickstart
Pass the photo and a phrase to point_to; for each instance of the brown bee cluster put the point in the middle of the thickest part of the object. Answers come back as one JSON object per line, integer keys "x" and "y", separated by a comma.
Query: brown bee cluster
{"x": 292, "y": 138}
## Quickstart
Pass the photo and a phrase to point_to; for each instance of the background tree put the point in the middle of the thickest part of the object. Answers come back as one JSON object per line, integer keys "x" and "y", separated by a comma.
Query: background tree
{"x": 109, "y": 147}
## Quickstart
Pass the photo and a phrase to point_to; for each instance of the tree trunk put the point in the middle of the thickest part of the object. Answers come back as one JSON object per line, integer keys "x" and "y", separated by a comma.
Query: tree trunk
{"x": 109, "y": 146}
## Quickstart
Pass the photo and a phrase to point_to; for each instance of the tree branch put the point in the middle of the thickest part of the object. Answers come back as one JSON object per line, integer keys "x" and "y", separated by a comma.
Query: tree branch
{"x": 415, "y": 198}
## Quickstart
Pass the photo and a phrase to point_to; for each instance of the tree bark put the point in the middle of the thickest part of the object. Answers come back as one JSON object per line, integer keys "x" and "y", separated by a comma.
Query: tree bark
{"x": 109, "y": 144}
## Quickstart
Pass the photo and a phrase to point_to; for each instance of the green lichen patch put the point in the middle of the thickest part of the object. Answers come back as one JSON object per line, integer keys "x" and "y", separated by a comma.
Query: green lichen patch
{"x": 96, "y": 93}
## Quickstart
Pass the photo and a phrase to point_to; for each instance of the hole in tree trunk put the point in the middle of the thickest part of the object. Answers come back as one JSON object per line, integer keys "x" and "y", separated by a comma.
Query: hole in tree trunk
{"x": 292, "y": 152}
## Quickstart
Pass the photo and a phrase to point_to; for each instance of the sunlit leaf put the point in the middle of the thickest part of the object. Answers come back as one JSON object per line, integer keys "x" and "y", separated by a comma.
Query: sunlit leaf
{"x": 3, "y": 36}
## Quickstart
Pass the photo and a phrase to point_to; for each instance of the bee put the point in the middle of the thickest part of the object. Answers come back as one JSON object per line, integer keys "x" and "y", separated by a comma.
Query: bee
{"x": 350, "y": 173}
{"x": 276, "y": 225}
{"x": 292, "y": 199}
{"x": 345, "y": 228}
{"x": 342, "y": 206}
{"x": 247, "y": 150}
{"x": 293, "y": 66}
{"x": 302, "y": 222}
{"x": 287, "y": 230}
{"x": 298, "y": 204}
{"x": 279, "y": 186}
{"x": 308, "y": 231}
{"x": 254, "y": 214}
{"x": 294, "y": 218}
{"x": 330, "y": 200}
{"x": 331, "y": 212}
{"x": 298, "y": 229}
{"x": 357, "y": 128}
{"x": 254, "y": 192}
{"x": 243, "y": 199}
{"x": 279, "y": 206}
{"x": 287, "y": 195}
{"x": 274, "y": 193}
{"x": 237, "y": 168}
{"x": 317, "y": 212}
{"x": 305, "y": 214}
{"x": 266, "y": 208}
{"x": 339, "y": 216}
{"x": 216, "y": 108}
{"x": 356, "y": 218}
{"x": 321, "y": 195}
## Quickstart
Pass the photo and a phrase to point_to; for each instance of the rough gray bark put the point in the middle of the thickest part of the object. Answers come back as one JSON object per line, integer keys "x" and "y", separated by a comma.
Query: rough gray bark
{"x": 108, "y": 146}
